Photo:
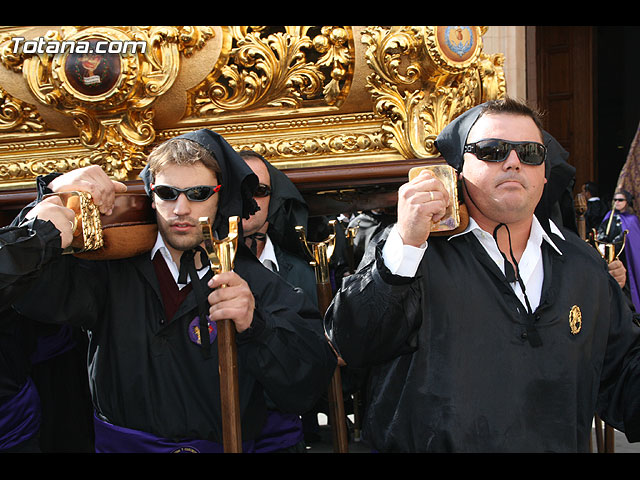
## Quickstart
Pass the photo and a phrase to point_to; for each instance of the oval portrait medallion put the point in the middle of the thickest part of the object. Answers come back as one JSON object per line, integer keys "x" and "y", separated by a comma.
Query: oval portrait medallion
{"x": 91, "y": 73}
{"x": 457, "y": 43}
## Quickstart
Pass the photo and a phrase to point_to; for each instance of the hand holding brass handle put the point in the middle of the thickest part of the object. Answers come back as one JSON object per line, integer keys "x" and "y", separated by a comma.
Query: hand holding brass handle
{"x": 86, "y": 225}
{"x": 221, "y": 255}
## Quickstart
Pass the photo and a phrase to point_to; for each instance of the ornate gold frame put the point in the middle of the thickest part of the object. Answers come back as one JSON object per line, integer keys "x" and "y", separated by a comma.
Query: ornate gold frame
{"x": 302, "y": 96}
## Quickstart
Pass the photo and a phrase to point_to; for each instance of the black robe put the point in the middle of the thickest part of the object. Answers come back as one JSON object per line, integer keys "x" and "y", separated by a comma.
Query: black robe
{"x": 287, "y": 210}
{"x": 451, "y": 367}
{"x": 147, "y": 372}
{"x": 23, "y": 250}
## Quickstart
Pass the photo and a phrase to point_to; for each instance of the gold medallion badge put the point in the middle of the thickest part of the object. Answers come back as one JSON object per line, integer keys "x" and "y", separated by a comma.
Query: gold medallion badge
{"x": 575, "y": 319}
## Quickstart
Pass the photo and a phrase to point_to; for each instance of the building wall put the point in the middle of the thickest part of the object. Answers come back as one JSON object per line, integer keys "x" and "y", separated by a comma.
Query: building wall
{"x": 511, "y": 41}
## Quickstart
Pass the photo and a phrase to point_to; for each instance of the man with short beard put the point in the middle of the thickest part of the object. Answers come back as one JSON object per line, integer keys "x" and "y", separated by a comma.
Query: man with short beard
{"x": 151, "y": 319}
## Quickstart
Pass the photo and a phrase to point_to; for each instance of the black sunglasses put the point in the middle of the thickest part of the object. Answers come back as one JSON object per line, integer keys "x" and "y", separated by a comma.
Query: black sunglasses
{"x": 262, "y": 190}
{"x": 199, "y": 193}
{"x": 496, "y": 150}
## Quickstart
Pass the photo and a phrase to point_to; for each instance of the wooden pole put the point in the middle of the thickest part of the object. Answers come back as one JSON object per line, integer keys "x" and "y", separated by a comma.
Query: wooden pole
{"x": 321, "y": 253}
{"x": 580, "y": 205}
{"x": 229, "y": 399}
{"x": 221, "y": 255}
{"x": 350, "y": 235}
{"x": 606, "y": 444}
{"x": 337, "y": 415}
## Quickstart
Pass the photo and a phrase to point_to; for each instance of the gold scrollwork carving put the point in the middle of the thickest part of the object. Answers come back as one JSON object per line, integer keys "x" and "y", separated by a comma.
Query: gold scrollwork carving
{"x": 300, "y": 95}
{"x": 336, "y": 144}
{"x": 18, "y": 116}
{"x": 263, "y": 67}
{"x": 109, "y": 96}
{"x": 424, "y": 77}
{"x": 10, "y": 59}
{"x": 29, "y": 162}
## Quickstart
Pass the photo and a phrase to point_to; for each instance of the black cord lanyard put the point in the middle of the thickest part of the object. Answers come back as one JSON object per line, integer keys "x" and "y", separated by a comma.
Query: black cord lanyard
{"x": 188, "y": 267}
{"x": 514, "y": 276}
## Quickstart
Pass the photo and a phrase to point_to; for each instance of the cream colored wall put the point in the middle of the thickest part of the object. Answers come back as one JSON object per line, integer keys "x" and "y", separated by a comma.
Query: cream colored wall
{"x": 511, "y": 41}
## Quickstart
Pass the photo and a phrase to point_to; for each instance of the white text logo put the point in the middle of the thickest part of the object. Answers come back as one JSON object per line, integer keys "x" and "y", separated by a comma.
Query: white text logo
{"x": 42, "y": 46}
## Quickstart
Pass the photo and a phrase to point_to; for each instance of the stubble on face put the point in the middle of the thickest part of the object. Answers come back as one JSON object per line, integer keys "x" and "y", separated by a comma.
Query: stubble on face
{"x": 180, "y": 240}
{"x": 178, "y": 220}
{"x": 508, "y": 191}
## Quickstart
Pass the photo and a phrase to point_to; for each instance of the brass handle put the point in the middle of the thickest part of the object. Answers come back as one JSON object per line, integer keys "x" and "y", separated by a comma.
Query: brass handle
{"x": 87, "y": 224}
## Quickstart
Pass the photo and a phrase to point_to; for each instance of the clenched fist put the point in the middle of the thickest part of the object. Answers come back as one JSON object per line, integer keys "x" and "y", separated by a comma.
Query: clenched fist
{"x": 618, "y": 272}
{"x": 421, "y": 202}
{"x": 232, "y": 299}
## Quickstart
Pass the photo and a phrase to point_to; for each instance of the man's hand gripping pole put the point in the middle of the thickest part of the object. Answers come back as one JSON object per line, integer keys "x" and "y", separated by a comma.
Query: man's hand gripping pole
{"x": 221, "y": 255}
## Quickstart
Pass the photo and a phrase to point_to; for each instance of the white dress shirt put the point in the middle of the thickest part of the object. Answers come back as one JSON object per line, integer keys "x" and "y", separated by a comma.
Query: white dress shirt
{"x": 173, "y": 267}
{"x": 404, "y": 260}
{"x": 268, "y": 256}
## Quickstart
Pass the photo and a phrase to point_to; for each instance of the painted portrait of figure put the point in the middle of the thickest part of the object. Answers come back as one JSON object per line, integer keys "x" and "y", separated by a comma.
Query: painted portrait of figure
{"x": 92, "y": 73}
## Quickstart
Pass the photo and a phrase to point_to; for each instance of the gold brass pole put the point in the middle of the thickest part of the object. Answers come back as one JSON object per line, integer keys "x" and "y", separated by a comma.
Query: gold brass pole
{"x": 320, "y": 254}
{"x": 608, "y": 252}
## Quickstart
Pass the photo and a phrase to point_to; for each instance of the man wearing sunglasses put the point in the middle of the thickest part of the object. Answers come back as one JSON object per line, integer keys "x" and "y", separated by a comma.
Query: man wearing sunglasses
{"x": 270, "y": 234}
{"x": 153, "y": 360}
{"x": 505, "y": 336}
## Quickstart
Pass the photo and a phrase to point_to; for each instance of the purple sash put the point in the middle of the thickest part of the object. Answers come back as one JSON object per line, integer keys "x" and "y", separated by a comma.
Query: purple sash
{"x": 20, "y": 417}
{"x": 115, "y": 439}
{"x": 281, "y": 430}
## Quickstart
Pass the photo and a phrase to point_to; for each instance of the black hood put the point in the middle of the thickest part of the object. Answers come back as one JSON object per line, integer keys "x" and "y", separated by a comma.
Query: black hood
{"x": 237, "y": 179}
{"x": 287, "y": 209}
{"x": 450, "y": 143}
{"x": 557, "y": 198}
{"x": 559, "y": 173}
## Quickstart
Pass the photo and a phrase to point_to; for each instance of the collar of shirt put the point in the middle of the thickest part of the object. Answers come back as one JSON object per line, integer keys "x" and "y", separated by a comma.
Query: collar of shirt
{"x": 536, "y": 235}
{"x": 268, "y": 255}
{"x": 173, "y": 267}
{"x": 530, "y": 264}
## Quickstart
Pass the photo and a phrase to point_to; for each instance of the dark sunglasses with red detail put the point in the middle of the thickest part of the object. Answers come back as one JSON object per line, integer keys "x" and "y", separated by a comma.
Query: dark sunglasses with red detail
{"x": 262, "y": 190}
{"x": 497, "y": 150}
{"x": 199, "y": 193}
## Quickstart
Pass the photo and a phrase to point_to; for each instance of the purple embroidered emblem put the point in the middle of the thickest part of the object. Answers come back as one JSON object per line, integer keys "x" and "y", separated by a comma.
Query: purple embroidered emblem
{"x": 194, "y": 330}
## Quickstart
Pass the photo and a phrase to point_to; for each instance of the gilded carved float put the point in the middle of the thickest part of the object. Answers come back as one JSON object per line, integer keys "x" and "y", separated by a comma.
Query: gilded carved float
{"x": 308, "y": 98}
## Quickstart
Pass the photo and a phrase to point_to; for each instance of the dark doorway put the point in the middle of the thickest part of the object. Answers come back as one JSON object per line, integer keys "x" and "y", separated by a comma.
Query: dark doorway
{"x": 617, "y": 101}
{"x": 587, "y": 83}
